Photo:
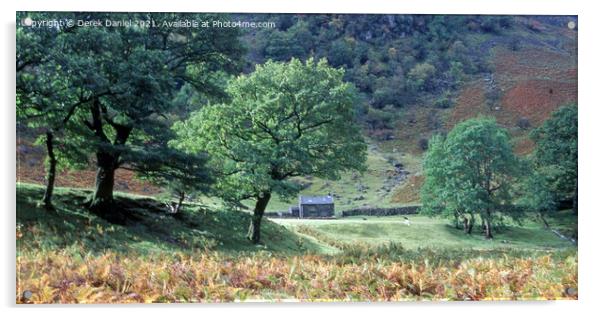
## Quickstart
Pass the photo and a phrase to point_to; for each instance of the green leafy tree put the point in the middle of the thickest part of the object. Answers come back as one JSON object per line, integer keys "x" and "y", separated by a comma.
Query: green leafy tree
{"x": 283, "y": 120}
{"x": 284, "y": 45}
{"x": 536, "y": 195}
{"x": 46, "y": 97}
{"x": 556, "y": 152}
{"x": 341, "y": 53}
{"x": 456, "y": 73}
{"x": 436, "y": 201}
{"x": 470, "y": 172}
{"x": 379, "y": 119}
{"x": 301, "y": 36}
{"x": 185, "y": 176}
{"x": 421, "y": 76}
{"x": 129, "y": 78}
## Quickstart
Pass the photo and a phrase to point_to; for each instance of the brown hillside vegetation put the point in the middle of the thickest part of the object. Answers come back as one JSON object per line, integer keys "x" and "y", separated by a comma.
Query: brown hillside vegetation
{"x": 536, "y": 100}
{"x": 30, "y": 169}
{"x": 534, "y": 83}
{"x": 409, "y": 192}
{"x": 471, "y": 101}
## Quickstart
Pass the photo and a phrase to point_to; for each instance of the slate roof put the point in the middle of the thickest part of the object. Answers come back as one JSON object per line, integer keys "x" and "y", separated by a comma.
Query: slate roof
{"x": 312, "y": 200}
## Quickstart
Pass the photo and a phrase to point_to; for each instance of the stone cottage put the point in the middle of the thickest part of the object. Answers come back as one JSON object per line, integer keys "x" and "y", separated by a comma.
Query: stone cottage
{"x": 316, "y": 206}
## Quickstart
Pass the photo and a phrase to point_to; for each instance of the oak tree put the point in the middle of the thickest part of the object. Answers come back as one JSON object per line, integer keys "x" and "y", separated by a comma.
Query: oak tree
{"x": 127, "y": 79}
{"x": 284, "y": 120}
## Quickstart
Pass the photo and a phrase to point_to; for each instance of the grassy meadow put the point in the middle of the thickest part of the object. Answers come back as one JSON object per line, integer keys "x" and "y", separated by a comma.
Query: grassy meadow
{"x": 428, "y": 232}
{"x": 201, "y": 255}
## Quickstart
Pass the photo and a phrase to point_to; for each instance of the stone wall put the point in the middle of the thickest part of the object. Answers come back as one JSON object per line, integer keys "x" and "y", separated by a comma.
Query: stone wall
{"x": 316, "y": 210}
{"x": 283, "y": 214}
{"x": 377, "y": 211}
{"x": 365, "y": 211}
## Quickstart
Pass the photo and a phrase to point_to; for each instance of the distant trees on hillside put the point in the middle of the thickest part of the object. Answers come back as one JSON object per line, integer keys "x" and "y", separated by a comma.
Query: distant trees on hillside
{"x": 394, "y": 60}
{"x": 421, "y": 77}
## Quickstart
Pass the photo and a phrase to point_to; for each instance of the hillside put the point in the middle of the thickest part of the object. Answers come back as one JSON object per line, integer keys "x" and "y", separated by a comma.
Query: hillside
{"x": 416, "y": 76}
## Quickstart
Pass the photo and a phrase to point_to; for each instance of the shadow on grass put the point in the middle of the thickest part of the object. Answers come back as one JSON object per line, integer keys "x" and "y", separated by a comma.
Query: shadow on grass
{"x": 519, "y": 237}
{"x": 149, "y": 228}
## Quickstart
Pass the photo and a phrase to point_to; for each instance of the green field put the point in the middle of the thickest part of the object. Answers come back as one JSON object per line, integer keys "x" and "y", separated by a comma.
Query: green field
{"x": 201, "y": 254}
{"x": 198, "y": 227}
{"x": 426, "y": 232}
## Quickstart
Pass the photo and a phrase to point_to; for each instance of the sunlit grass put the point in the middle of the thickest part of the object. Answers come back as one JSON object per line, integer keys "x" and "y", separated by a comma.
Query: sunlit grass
{"x": 202, "y": 255}
{"x": 430, "y": 232}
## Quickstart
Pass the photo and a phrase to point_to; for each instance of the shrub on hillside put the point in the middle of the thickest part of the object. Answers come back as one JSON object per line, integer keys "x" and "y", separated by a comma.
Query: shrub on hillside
{"x": 443, "y": 102}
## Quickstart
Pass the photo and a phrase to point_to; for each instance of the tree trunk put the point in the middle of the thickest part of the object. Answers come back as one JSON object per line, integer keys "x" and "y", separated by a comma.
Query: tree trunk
{"x": 470, "y": 224}
{"x": 255, "y": 226}
{"x": 543, "y": 219}
{"x": 575, "y": 199}
{"x": 181, "y": 197}
{"x": 107, "y": 161}
{"x": 102, "y": 200}
{"x": 488, "y": 233}
{"x": 50, "y": 172}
